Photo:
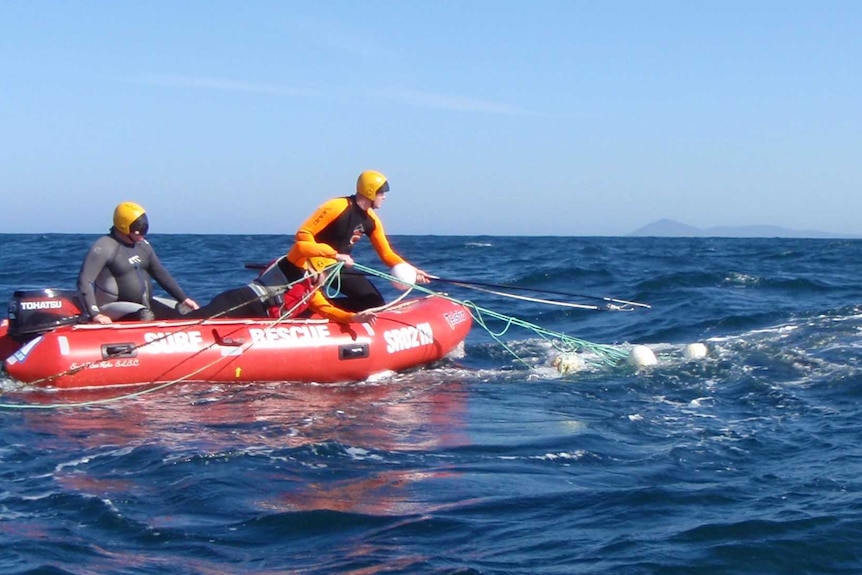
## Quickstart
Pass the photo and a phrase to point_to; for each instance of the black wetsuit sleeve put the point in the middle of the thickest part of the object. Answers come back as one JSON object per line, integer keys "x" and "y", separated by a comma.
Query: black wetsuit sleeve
{"x": 98, "y": 256}
{"x": 158, "y": 272}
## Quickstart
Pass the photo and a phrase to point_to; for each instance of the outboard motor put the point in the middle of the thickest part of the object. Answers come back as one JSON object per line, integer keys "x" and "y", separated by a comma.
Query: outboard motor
{"x": 32, "y": 312}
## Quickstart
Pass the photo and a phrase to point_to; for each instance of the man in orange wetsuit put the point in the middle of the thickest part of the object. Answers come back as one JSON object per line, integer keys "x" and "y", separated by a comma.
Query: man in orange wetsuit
{"x": 333, "y": 230}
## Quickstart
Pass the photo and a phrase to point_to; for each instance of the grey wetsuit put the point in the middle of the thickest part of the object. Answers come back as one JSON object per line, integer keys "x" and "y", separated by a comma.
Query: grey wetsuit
{"x": 118, "y": 271}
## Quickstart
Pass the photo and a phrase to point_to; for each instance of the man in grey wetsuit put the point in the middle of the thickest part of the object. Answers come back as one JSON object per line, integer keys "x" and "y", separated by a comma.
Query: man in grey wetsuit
{"x": 115, "y": 280}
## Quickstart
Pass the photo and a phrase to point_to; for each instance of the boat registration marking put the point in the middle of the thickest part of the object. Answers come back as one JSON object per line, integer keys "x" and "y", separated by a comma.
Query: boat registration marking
{"x": 409, "y": 337}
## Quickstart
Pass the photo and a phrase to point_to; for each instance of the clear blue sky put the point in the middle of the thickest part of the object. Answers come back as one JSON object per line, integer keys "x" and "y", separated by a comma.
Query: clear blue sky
{"x": 500, "y": 117}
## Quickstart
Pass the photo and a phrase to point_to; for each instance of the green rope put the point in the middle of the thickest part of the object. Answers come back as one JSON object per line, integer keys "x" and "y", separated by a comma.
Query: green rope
{"x": 561, "y": 342}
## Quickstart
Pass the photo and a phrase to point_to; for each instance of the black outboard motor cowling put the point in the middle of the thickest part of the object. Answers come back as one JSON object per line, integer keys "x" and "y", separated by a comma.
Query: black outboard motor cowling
{"x": 32, "y": 312}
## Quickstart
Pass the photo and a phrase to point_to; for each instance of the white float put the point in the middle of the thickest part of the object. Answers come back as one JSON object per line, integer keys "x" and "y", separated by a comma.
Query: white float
{"x": 641, "y": 356}
{"x": 406, "y": 274}
{"x": 695, "y": 350}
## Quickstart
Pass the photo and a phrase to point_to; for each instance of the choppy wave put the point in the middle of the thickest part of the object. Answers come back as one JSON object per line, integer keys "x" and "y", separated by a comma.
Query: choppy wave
{"x": 745, "y": 461}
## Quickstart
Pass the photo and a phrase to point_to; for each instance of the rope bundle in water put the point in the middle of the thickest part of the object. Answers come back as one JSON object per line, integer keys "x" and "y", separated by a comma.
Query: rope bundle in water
{"x": 563, "y": 343}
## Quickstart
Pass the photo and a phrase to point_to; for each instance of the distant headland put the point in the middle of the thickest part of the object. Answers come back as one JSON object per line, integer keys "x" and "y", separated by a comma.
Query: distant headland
{"x": 674, "y": 229}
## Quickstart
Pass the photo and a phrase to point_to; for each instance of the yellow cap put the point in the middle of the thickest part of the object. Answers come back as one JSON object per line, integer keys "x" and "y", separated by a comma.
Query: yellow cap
{"x": 125, "y": 214}
{"x": 371, "y": 183}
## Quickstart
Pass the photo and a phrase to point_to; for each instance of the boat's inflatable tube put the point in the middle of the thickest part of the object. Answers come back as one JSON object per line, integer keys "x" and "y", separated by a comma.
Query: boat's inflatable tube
{"x": 414, "y": 333}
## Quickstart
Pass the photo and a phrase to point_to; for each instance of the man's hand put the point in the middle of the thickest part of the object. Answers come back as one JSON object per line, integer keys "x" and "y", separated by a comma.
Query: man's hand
{"x": 422, "y": 277}
{"x": 348, "y": 261}
{"x": 368, "y": 317}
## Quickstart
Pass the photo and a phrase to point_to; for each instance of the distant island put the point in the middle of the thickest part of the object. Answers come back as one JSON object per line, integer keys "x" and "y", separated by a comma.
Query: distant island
{"x": 674, "y": 229}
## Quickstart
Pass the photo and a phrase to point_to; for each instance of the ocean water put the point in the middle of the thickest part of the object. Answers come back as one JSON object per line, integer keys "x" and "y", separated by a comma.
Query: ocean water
{"x": 748, "y": 461}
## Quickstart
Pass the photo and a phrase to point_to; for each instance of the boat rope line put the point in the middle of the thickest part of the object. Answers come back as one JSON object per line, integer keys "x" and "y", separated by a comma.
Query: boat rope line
{"x": 332, "y": 279}
{"x": 536, "y": 299}
{"x": 563, "y": 343}
{"x": 275, "y": 322}
{"x": 333, "y": 286}
{"x": 613, "y": 304}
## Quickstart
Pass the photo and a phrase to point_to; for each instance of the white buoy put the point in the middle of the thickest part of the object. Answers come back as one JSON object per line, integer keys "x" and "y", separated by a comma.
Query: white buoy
{"x": 406, "y": 273}
{"x": 641, "y": 356}
{"x": 568, "y": 363}
{"x": 695, "y": 350}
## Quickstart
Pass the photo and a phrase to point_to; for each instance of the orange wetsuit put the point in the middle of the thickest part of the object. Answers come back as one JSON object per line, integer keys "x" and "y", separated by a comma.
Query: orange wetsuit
{"x": 334, "y": 229}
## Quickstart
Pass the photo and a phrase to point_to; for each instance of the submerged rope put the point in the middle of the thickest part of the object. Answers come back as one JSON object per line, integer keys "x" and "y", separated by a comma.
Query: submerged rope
{"x": 562, "y": 342}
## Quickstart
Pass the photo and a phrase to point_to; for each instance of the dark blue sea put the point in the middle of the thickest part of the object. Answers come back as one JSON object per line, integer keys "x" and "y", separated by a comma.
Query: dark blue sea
{"x": 748, "y": 461}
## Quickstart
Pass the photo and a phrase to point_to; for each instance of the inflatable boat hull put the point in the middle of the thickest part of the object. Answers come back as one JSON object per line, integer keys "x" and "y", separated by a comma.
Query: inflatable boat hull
{"x": 412, "y": 334}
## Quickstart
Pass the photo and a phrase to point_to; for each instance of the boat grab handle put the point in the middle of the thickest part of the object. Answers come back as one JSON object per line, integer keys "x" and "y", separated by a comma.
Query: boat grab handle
{"x": 119, "y": 350}
{"x": 353, "y": 351}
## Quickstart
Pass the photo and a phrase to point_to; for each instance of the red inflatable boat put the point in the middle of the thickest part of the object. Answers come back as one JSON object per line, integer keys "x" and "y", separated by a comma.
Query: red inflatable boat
{"x": 43, "y": 343}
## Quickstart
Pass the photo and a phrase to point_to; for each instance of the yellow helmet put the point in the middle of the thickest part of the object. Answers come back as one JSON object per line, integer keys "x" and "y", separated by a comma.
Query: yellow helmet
{"x": 371, "y": 183}
{"x": 130, "y": 218}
